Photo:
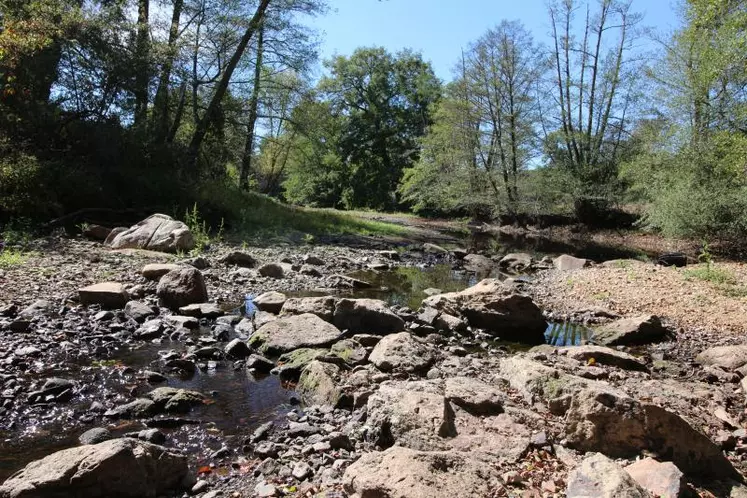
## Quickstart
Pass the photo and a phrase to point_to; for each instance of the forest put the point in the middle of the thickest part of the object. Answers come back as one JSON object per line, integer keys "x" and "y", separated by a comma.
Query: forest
{"x": 167, "y": 104}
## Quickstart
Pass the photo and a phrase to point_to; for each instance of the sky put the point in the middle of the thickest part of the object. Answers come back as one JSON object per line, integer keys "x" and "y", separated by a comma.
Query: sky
{"x": 439, "y": 29}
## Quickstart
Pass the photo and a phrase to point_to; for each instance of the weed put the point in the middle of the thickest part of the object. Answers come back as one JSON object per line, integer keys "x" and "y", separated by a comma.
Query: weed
{"x": 308, "y": 238}
{"x": 601, "y": 296}
{"x": 11, "y": 257}
{"x": 710, "y": 274}
{"x": 623, "y": 263}
{"x": 200, "y": 230}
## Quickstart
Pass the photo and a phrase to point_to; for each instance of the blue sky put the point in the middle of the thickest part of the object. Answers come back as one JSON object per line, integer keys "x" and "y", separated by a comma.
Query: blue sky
{"x": 439, "y": 29}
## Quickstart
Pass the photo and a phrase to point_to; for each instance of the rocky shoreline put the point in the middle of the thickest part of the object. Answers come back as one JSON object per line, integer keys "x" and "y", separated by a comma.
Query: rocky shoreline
{"x": 370, "y": 399}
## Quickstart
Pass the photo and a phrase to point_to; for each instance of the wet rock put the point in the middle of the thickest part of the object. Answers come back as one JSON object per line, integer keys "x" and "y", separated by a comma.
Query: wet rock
{"x": 323, "y": 307}
{"x": 154, "y": 271}
{"x": 239, "y": 258}
{"x": 291, "y": 364}
{"x": 600, "y": 477}
{"x": 662, "y": 479}
{"x": 182, "y": 287}
{"x": 402, "y": 352}
{"x": 107, "y": 294}
{"x": 271, "y": 302}
{"x": 727, "y": 357}
{"x": 175, "y": 400}
{"x": 187, "y": 322}
{"x": 497, "y": 308}
{"x": 350, "y": 351}
{"x": 370, "y": 316}
{"x": 152, "y": 436}
{"x": 39, "y": 307}
{"x": 53, "y": 389}
{"x": 569, "y": 263}
{"x": 294, "y": 332}
{"x": 644, "y": 329}
{"x": 119, "y": 467}
{"x": 474, "y": 396}
{"x": 478, "y": 264}
{"x": 151, "y": 329}
{"x": 237, "y": 349}
{"x": 404, "y": 473}
{"x": 317, "y": 384}
{"x": 245, "y": 327}
{"x": 95, "y": 436}
{"x": 138, "y": 311}
{"x": 272, "y": 270}
{"x": 261, "y": 432}
{"x": 156, "y": 233}
{"x": 222, "y": 332}
{"x": 201, "y": 310}
{"x": 434, "y": 249}
{"x": 153, "y": 377}
{"x": 603, "y": 419}
{"x": 605, "y": 356}
{"x": 138, "y": 408}
{"x": 516, "y": 262}
{"x": 259, "y": 363}
{"x": 344, "y": 281}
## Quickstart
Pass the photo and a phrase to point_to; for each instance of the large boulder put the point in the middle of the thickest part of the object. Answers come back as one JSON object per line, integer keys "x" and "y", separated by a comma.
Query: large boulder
{"x": 119, "y": 468}
{"x": 294, "y": 332}
{"x": 637, "y": 330}
{"x": 367, "y": 316}
{"x": 156, "y": 233}
{"x": 726, "y": 357}
{"x": 405, "y": 473}
{"x": 107, "y": 294}
{"x": 495, "y": 307}
{"x": 403, "y": 353}
{"x": 181, "y": 287}
{"x": 606, "y": 420}
{"x": 599, "y": 477}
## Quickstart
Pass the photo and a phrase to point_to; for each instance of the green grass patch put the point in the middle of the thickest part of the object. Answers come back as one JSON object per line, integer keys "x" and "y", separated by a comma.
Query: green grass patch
{"x": 10, "y": 258}
{"x": 710, "y": 273}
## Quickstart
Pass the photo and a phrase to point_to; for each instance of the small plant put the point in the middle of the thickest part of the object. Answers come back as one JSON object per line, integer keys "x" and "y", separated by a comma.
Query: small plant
{"x": 11, "y": 257}
{"x": 710, "y": 273}
{"x": 308, "y": 238}
{"x": 200, "y": 230}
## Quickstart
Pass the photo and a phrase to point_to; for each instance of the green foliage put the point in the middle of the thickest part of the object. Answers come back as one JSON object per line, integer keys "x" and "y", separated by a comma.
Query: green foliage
{"x": 710, "y": 274}
{"x": 11, "y": 257}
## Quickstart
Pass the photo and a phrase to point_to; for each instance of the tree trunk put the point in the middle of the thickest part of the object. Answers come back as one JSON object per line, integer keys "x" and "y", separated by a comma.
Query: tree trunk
{"x": 142, "y": 56}
{"x": 201, "y": 127}
{"x": 246, "y": 161}
{"x": 161, "y": 102}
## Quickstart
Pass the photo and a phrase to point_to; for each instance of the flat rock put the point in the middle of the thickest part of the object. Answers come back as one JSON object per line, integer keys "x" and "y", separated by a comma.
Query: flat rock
{"x": 367, "y": 316}
{"x": 271, "y": 302}
{"x": 155, "y": 233}
{"x": 605, "y": 356}
{"x": 402, "y": 352}
{"x": 118, "y": 468}
{"x": 662, "y": 479}
{"x": 154, "y": 271}
{"x": 201, "y": 310}
{"x": 473, "y": 395}
{"x": 294, "y": 332}
{"x": 323, "y": 307}
{"x": 569, "y": 263}
{"x": 599, "y": 477}
{"x": 107, "y": 294}
{"x": 726, "y": 357}
{"x": 637, "y": 330}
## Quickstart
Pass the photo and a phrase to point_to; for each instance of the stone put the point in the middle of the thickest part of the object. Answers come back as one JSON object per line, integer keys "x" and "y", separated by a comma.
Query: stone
{"x": 302, "y": 470}
{"x": 604, "y": 419}
{"x": 368, "y": 316}
{"x": 154, "y": 271}
{"x": 138, "y": 311}
{"x": 271, "y": 302}
{"x": 113, "y": 235}
{"x": 405, "y": 473}
{"x": 495, "y": 307}
{"x": 156, "y": 233}
{"x": 434, "y": 249}
{"x": 349, "y": 282}
{"x": 637, "y": 330}
{"x": 323, "y": 307}
{"x": 171, "y": 399}
{"x": 727, "y": 357}
{"x": 151, "y": 329}
{"x": 294, "y": 332}
{"x": 119, "y": 468}
{"x": 182, "y": 287}
{"x": 310, "y": 259}
{"x": 317, "y": 384}
{"x": 604, "y": 356}
{"x": 478, "y": 264}
{"x": 516, "y": 262}
{"x": 474, "y": 396}
{"x": 110, "y": 295}
{"x": 259, "y": 363}
{"x": 202, "y": 310}
{"x": 402, "y": 352}
{"x": 569, "y": 263}
{"x": 96, "y": 232}
{"x": 138, "y": 408}
{"x": 187, "y": 322}
{"x": 37, "y": 308}
{"x": 237, "y": 349}
{"x": 95, "y": 436}
{"x": 662, "y": 479}
{"x": 535, "y": 379}
{"x": 239, "y": 258}
{"x": 449, "y": 323}
{"x": 265, "y": 490}
{"x": 245, "y": 327}
{"x": 291, "y": 364}
{"x": 599, "y": 477}
{"x": 152, "y": 436}
{"x": 272, "y": 270}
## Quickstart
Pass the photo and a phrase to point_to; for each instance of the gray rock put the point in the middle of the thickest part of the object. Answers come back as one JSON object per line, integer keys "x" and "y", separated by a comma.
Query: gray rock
{"x": 107, "y": 294}
{"x": 151, "y": 329}
{"x": 259, "y": 363}
{"x": 119, "y": 468}
{"x": 175, "y": 400}
{"x": 569, "y": 263}
{"x": 272, "y": 270}
{"x": 317, "y": 385}
{"x": 478, "y": 264}
{"x": 294, "y": 332}
{"x": 95, "y": 436}
{"x": 201, "y": 310}
{"x": 156, "y": 233}
{"x": 239, "y": 258}
{"x": 187, "y": 322}
{"x": 402, "y": 352}
{"x": 605, "y": 356}
{"x": 729, "y": 358}
{"x": 310, "y": 259}
{"x": 662, "y": 479}
{"x": 154, "y": 271}
{"x": 182, "y": 287}
{"x": 323, "y": 307}
{"x": 38, "y": 308}
{"x": 473, "y": 395}
{"x": 138, "y": 311}
{"x": 152, "y": 436}
{"x": 644, "y": 329}
{"x": 516, "y": 262}
{"x": 369, "y": 316}
{"x": 600, "y": 477}
{"x": 271, "y": 302}
{"x": 302, "y": 470}
{"x": 237, "y": 349}
{"x": 138, "y": 408}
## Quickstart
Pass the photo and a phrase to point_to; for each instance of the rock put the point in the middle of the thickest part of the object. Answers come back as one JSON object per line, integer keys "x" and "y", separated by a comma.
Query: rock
{"x": 96, "y": 232}
{"x": 259, "y": 363}
{"x": 175, "y": 400}
{"x": 535, "y": 379}
{"x": 727, "y": 357}
{"x": 474, "y": 396}
{"x": 156, "y": 233}
{"x": 449, "y": 323}
{"x": 323, "y": 307}
{"x": 310, "y": 259}
{"x": 107, "y": 294}
{"x": 118, "y": 468}
{"x": 271, "y": 302}
{"x": 677, "y": 259}
{"x": 368, "y": 316}
{"x": 138, "y": 408}
{"x": 401, "y": 352}
{"x": 152, "y": 436}
{"x": 294, "y": 332}
{"x": 202, "y": 310}
{"x": 644, "y": 329}
{"x": 245, "y": 327}
{"x": 153, "y": 377}
{"x": 478, "y": 264}
{"x": 272, "y": 270}
{"x": 516, "y": 262}
{"x": 293, "y": 362}
{"x": 599, "y": 477}
{"x": 154, "y": 271}
{"x": 95, "y": 436}
{"x": 182, "y": 287}
{"x": 151, "y": 329}
{"x": 301, "y": 429}
{"x": 37, "y": 308}
{"x": 113, "y": 235}
{"x": 198, "y": 262}
{"x": 237, "y": 349}
{"x": 187, "y": 322}
{"x": 138, "y": 311}
{"x": 301, "y": 471}
{"x": 265, "y": 490}
{"x": 604, "y": 356}
{"x": 317, "y": 385}
{"x": 603, "y": 419}
{"x": 495, "y": 307}
{"x": 350, "y": 351}
{"x": 662, "y": 479}
{"x": 239, "y": 258}
{"x": 569, "y": 263}
{"x": 404, "y": 473}
{"x": 434, "y": 249}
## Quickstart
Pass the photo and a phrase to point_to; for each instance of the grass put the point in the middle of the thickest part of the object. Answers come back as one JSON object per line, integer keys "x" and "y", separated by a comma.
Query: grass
{"x": 712, "y": 274}
{"x": 10, "y": 258}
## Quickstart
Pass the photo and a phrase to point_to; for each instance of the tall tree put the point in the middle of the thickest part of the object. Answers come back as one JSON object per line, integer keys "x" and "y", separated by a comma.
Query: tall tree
{"x": 246, "y": 160}
{"x": 161, "y": 122}
{"x": 142, "y": 60}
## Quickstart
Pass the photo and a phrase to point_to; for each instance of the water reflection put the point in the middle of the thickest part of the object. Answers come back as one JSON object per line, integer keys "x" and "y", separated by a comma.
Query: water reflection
{"x": 567, "y": 334}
